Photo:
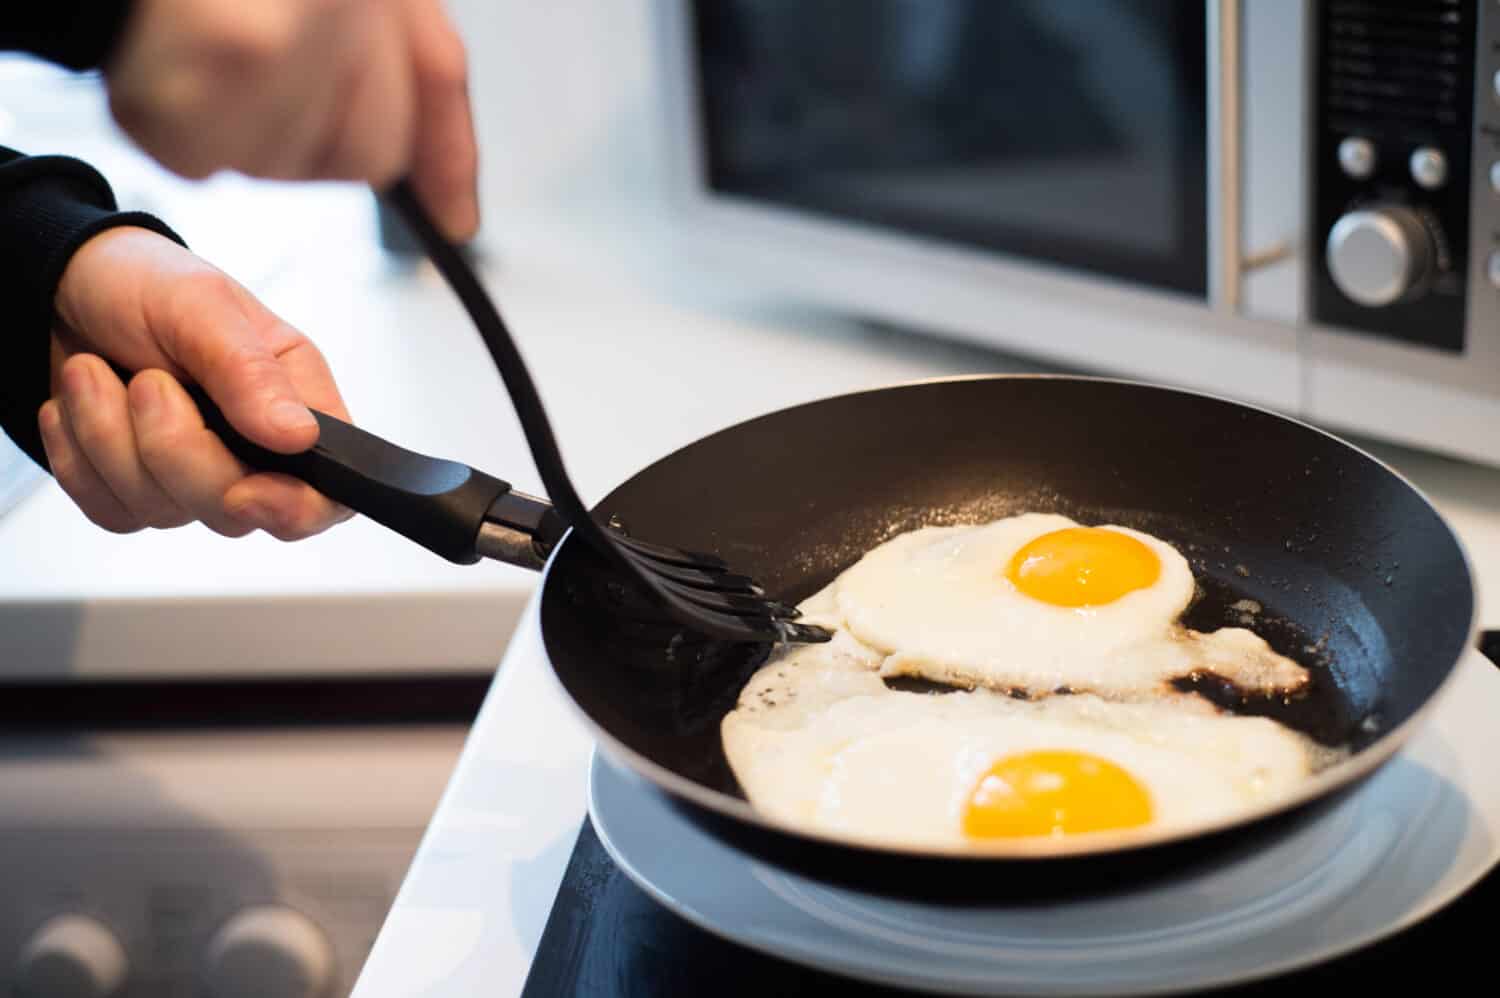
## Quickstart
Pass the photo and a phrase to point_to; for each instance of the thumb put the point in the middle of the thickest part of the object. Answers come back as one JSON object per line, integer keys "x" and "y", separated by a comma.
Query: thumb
{"x": 222, "y": 336}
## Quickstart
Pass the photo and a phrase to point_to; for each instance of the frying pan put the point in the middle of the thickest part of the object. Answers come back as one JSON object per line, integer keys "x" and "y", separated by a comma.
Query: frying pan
{"x": 1360, "y": 579}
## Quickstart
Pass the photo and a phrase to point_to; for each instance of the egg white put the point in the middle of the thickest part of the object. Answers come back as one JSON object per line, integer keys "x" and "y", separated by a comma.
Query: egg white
{"x": 936, "y": 603}
{"x": 818, "y": 741}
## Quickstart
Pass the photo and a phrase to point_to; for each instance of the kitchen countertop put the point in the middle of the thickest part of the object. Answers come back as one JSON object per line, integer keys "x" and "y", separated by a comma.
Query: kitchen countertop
{"x": 473, "y": 906}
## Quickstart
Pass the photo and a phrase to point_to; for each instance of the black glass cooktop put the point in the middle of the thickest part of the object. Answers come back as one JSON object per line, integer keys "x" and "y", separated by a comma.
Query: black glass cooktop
{"x": 606, "y": 939}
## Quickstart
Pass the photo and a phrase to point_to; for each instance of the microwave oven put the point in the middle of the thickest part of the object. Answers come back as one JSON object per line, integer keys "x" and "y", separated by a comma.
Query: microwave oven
{"x": 1291, "y": 202}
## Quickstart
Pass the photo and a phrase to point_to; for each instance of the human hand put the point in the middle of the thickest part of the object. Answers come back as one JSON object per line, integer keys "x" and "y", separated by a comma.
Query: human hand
{"x": 368, "y": 90}
{"x": 141, "y": 457}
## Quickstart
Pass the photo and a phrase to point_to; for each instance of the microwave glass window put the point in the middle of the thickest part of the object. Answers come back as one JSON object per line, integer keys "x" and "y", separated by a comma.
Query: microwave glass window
{"x": 1073, "y": 133}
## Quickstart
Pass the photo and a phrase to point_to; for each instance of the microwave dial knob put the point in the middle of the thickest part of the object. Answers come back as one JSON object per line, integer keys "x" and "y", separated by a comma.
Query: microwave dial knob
{"x": 268, "y": 951}
{"x": 1378, "y": 256}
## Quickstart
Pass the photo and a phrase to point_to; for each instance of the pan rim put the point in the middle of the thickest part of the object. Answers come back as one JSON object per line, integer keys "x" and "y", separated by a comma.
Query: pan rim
{"x": 1345, "y": 773}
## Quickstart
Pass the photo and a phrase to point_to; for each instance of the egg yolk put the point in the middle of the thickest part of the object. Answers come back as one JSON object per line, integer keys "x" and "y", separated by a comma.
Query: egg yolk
{"x": 1083, "y": 566}
{"x": 1051, "y": 793}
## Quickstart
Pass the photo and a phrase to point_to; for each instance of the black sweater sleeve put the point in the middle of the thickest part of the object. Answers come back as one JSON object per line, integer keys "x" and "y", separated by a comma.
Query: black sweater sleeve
{"x": 78, "y": 34}
{"x": 49, "y": 206}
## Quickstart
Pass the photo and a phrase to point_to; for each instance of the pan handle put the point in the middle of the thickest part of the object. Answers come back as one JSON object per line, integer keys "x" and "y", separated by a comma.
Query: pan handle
{"x": 449, "y": 508}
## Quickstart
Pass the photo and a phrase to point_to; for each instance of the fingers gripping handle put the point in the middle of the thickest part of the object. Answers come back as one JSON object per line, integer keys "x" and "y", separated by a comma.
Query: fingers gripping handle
{"x": 439, "y": 504}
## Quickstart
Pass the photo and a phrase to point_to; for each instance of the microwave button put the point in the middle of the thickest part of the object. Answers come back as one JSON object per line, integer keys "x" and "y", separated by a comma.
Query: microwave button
{"x": 1429, "y": 167}
{"x": 1357, "y": 157}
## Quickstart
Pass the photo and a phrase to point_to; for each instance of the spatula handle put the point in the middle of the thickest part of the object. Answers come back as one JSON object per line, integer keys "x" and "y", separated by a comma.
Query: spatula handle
{"x": 439, "y": 504}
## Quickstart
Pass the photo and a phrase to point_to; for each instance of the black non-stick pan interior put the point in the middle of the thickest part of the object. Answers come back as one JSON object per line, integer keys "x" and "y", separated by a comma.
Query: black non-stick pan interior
{"x": 1359, "y": 578}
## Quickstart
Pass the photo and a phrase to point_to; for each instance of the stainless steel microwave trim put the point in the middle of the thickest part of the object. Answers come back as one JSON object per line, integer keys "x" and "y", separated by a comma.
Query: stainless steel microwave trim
{"x": 1224, "y": 191}
{"x": 1274, "y": 68}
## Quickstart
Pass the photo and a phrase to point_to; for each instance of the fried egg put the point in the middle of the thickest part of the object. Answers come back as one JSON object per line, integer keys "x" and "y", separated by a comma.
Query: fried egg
{"x": 1038, "y": 603}
{"x": 818, "y": 741}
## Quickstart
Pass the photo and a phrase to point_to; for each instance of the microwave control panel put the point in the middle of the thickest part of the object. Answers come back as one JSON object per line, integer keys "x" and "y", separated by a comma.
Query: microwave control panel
{"x": 1484, "y": 296}
{"x": 1396, "y": 87}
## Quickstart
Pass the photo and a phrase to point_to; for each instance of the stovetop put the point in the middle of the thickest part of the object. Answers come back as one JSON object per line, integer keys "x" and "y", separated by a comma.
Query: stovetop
{"x": 605, "y": 938}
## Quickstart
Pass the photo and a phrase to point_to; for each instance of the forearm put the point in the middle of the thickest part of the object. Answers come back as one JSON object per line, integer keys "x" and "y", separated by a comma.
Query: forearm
{"x": 79, "y": 34}
{"x": 49, "y": 207}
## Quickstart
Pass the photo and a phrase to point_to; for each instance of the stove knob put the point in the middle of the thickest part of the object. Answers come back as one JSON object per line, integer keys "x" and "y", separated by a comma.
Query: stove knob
{"x": 270, "y": 952}
{"x": 71, "y": 956}
{"x": 1378, "y": 256}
